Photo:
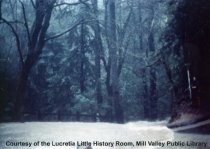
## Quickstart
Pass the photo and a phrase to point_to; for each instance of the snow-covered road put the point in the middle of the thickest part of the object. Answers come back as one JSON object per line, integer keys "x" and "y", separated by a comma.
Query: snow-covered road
{"x": 66, "y": 135}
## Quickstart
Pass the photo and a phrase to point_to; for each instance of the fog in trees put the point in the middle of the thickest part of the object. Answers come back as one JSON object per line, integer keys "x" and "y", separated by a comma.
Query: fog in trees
{"x": 113, "y": 60}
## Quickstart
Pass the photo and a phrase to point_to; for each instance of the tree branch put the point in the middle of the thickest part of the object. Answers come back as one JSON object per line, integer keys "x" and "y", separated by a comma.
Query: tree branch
{"x": 17, "y": 40}
{"x": 71, "y": 4}
{"x": 133, "y": 71}
{"x": 122, "y": 57}
{"x": 84, "y": 2}
{"x": 25, "y": 20}
{"x": 33, "y": 4}
{"x": 63, "y": 33}
{"x": 0, "y": 8}
{"x": 15, "y": 21}
{"x": 167, "y": 70}
{"x": 105, "y": 63}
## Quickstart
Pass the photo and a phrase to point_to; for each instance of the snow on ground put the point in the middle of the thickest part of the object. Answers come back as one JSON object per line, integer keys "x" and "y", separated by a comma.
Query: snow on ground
{"x": 104, "y": 132}
{"x": 187, "y": 117}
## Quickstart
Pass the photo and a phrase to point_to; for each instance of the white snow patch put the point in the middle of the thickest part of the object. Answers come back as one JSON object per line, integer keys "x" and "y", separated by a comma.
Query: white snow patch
{"x": 186, "y": 117}
{"x": 75, "y": 131}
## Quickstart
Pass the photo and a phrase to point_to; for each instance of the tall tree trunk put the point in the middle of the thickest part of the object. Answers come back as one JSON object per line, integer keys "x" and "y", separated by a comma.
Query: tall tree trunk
{"x": 98, "y": 53}
{"x": 152, "y": 73}
{"x": 114, "y": 78}
{"x": 146, "y": 102}
{"x": 0, "y": 8}
{"x": 22, "y": 84}
{"x": 19, "y": 105}
{"x": 82, "y": 57}
{"x": 153, "y": 94}
{"x": 36, "y": 43}
{"x": 174, "y": 92}
{"x": 107, "y": 65}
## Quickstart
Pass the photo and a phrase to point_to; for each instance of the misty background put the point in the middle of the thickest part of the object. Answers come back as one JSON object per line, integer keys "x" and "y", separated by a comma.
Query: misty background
{"x": 120, "y": 60}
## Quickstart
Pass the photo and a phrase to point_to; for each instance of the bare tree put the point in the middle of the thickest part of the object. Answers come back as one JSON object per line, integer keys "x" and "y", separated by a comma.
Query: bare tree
{"x": 98, "y": 52}
{"x": 113, "y": 60}
{"x": 36, "y": 39}
{"x": 152, "y": 70}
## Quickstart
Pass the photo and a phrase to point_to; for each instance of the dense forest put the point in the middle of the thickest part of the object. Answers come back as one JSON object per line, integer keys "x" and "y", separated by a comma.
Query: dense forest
{"x": 124, "y": 60}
